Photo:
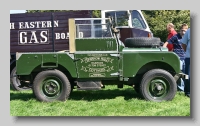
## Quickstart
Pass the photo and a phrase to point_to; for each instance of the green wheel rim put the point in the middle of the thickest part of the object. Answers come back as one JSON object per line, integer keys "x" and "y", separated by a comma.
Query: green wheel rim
{"x": 51, "y": 87}
{"x": 158, "y": 88}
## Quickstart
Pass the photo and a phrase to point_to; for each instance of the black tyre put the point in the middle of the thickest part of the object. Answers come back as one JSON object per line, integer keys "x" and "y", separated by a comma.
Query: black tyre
{"x": 16, "y": 84}
{"x": 51, "y": 85}
{"x": 158, "y": 85}
{"x": 142, "y": 42}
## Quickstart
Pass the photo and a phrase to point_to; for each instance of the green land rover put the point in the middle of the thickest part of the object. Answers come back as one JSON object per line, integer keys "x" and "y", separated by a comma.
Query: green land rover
{"x": 97, "y": 58}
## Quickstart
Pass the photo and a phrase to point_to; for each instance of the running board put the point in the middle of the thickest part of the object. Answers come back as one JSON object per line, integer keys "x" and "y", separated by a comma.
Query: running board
{"x": 89, "y": 88}
{"x": 89, "y": 85}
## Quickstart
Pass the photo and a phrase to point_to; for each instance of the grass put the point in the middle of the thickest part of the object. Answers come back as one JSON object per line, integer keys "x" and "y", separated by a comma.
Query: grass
{"x": 110, "y": 101}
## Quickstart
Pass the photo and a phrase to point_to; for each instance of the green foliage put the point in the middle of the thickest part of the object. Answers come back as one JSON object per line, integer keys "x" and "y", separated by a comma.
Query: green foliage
{"x": 122, "y": 20}
{"x": 137, "y": 23}
{"x": 96, "y": 13}
{"x": 158, "y": 20}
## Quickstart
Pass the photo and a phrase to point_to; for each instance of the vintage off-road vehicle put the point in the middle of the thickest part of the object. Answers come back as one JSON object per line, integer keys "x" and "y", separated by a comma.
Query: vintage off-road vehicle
{"x": 48, "y": 32}
{"x": 97, "y": 58}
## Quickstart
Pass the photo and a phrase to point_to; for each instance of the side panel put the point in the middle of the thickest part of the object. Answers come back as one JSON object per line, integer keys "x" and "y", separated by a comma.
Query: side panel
{"x": 97, "y": 65}
{"x": 97, "y": 58}
{"x": 133, "y": 61}
{"x": 103, "y": 44}
{"x": 27, "y": 62}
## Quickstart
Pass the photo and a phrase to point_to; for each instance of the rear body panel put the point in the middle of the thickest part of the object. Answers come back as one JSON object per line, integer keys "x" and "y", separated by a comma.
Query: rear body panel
{"x": 28, "y": 62}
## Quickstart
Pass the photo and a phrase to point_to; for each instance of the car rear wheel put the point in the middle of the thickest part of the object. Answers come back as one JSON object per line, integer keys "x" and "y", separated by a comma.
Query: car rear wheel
{"x": 51, "y": 85}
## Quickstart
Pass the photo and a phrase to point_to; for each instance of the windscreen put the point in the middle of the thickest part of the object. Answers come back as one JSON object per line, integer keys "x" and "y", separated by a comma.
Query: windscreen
{"x": 137, "y": 20}
{"x": 93, "y": 28}
{"x": 120, "y": 17}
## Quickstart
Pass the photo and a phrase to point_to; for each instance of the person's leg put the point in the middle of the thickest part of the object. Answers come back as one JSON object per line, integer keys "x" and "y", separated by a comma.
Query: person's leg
{"x": 187, "y": 81}
{"x": 183, "y": 66}
{"x": 180, "y": 82}
{"x": 180, "y": 85}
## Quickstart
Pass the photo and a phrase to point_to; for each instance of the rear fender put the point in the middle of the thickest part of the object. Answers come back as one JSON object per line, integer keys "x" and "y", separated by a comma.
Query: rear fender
{"x": 27, "y": 62}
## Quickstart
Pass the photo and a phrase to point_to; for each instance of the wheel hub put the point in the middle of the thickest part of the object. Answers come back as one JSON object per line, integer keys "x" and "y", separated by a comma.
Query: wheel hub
{"x": 158, "y": 87}
{"x": 51, "y": 87}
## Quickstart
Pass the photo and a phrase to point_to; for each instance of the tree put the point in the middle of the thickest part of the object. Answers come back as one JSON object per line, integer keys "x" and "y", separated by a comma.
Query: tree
{"x": 95, "y": 13}
{"x": 34, "y": 11}
{"x": 158, "y": 19}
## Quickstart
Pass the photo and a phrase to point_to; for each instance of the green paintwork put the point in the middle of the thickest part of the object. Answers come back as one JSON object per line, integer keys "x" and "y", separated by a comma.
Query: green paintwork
{"x": 97, "y": 59}
{"x": 96, "y": 65}
{"x": 135, "y": 58}
{"x": 29, "y": 61}
{"x": 96, "y": 44}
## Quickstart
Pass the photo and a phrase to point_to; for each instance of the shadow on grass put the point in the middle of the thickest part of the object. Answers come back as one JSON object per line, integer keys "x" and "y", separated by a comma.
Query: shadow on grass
{"x": 21, "y": 96}
{"x": 88, "y": 95}
{"x": 103, "y": 94}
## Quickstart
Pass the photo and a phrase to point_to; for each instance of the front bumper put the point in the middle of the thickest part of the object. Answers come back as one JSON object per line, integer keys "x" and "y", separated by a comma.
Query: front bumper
{"x": 181, "y": 75}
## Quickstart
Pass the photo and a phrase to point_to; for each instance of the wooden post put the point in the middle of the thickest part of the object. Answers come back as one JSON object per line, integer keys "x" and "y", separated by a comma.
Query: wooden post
{"x": 72, "y": 35}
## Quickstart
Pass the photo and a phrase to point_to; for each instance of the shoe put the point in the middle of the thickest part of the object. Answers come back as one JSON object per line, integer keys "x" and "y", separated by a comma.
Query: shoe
{"x": 188, "y": 95}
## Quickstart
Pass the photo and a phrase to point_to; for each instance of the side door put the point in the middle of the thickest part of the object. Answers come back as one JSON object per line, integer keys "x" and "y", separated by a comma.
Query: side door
{"x": 96, "y": 57}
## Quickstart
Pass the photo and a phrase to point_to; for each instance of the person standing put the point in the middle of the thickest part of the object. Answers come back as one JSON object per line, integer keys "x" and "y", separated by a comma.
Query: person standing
{"x": 186, "y": 46}
{"x": 171, "y": 32}
{"x": 177, "y": 48}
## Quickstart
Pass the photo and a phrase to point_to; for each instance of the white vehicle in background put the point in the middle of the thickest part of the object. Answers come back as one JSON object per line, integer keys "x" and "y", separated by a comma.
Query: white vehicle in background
{"x": 131, "y": 23}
